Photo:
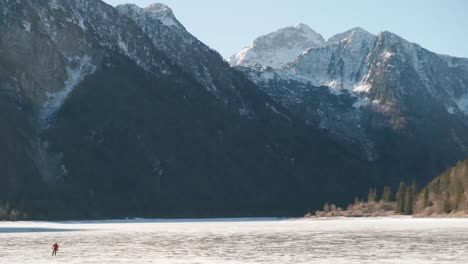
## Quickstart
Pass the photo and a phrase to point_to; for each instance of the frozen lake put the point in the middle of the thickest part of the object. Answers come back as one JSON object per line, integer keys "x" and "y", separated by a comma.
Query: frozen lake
{"x": 356, "y": 240}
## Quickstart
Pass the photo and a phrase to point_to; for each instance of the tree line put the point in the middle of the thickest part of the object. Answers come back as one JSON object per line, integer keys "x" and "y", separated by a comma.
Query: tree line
{"x": 10, "y": 213}
{"x": 404, "y": 199}
{"x": 446, "y": 194}
{"x": 403, "y": 202}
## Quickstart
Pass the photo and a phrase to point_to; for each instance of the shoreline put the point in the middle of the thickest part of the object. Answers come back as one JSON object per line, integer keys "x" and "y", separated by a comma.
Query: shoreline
{"x": 445, "y": 216}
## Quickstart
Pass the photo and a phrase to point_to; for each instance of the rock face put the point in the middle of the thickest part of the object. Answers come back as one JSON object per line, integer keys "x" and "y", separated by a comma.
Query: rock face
{"x": 184, "y": 50}
{"x": 340, "y": 64}
{"x": 392, "y": 101}
{"x": 115, "y": 112}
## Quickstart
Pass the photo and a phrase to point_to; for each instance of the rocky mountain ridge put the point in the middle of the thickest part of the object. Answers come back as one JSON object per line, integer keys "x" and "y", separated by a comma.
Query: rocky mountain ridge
{"x": 373, "y": 92}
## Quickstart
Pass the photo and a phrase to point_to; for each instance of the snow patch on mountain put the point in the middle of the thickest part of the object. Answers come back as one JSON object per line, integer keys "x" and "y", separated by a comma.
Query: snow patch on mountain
{"x": 361, "y": 102}
{"x": 462, "y": 104}
{"x": 79, "y": 20}
{"x": 450, "y": 109}
{"x": 122, "y": 45}
{"x": 54, "y": 4}
{"x": 79, "y": 68}
{"x": 363, "y": 86}
{"x": 27, "y": 26}
{"x": 387, "y": 55}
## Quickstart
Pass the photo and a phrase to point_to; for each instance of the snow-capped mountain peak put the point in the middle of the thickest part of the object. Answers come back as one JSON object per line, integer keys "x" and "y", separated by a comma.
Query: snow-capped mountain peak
{"x": 164, "y": 14}
{"x": 278, "y": 48}
{"x": 354, "y": 34}
{"x": 383, "y": 68}
{"x": 301, "y": 26}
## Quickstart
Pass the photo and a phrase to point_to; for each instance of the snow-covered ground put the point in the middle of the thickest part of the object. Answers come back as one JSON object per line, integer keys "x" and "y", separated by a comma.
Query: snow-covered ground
{"x": 358, "y": 240}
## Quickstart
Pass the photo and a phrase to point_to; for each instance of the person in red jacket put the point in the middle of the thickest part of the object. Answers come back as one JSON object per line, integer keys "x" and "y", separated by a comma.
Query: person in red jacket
{"x": 55, "y": 249}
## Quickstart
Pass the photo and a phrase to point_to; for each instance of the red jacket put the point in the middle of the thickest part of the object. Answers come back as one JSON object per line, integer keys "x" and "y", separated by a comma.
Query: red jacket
{"x": 55, "y": 246}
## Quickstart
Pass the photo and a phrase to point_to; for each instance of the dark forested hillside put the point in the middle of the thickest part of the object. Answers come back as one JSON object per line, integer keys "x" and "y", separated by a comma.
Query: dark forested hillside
{"x": 135, "y": 144}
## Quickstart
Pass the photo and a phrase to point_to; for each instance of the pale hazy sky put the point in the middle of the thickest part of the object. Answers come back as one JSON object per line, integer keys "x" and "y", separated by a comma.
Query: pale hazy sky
{"x": 229, "y": 25}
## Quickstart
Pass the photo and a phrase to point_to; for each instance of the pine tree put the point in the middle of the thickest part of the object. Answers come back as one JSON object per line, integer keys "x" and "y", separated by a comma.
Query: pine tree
{"x": 414, "y": 189}
{"x": 410, "y": 197}
{"x": 356, "y": 201}
{"x": 459, "y": 195}
{"x": 408, "y": 202}
{"x": 3, "y": 212}
{"x": 387, "y": 194}
{"x": 426, "y": 198}
{"x": 372, "y": 196}
{"x": 400, "y": 198}
{"x": 436, "y": 187}
{"x": 446, "y": 203}
{"x": 376, "y": 195}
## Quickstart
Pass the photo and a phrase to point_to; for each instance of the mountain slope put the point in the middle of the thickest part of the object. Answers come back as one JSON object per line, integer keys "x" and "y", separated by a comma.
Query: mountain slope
{"x": 124, "y": 113}
{"x": 446, "y": 193}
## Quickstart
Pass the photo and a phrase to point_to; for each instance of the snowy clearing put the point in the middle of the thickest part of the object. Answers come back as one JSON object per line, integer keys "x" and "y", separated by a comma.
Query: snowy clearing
{"x": 350, "y": 240}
